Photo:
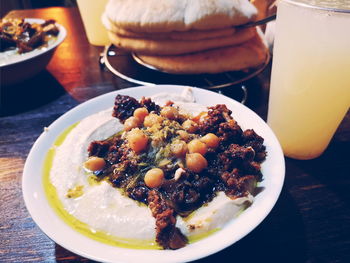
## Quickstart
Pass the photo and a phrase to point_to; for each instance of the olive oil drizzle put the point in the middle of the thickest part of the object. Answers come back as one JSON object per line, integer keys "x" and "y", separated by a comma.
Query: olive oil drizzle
{"x": 84, "y": 228}
{"x": 76, "y": 224}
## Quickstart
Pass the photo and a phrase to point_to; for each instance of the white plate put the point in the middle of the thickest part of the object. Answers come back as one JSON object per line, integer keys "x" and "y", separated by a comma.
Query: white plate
{"x": 18, "y": 67}
{"x": 273, "y": 170}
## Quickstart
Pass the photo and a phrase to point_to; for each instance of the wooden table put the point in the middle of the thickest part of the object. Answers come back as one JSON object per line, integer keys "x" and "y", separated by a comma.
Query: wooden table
{"x": 310, "y": 222}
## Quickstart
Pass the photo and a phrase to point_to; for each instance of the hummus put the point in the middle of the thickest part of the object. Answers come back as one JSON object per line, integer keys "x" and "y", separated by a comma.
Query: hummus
{"x": 102, "y": 207}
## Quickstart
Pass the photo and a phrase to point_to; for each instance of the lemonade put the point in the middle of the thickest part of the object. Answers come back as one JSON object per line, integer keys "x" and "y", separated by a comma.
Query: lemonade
{"x": 91, "y": 12}
{"x": 310, "y": 82}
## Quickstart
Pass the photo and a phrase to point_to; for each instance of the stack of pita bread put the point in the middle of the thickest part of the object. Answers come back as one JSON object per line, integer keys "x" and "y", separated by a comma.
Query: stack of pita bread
{"x": 187, "y": 36}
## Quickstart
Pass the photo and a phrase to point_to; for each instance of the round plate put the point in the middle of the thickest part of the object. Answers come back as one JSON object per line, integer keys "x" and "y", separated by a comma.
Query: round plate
{"x": 273, "y": 170}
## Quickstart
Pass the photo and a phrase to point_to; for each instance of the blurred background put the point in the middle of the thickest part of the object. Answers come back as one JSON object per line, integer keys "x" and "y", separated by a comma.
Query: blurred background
{"x": 8, "y": 5}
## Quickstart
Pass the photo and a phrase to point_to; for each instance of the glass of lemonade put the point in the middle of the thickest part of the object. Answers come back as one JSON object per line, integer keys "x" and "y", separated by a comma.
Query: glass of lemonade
{"x": 91, "y": 12}
{"x": 310, "y": 80}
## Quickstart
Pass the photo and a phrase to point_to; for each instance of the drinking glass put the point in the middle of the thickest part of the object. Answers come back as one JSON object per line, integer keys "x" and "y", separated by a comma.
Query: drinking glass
{"x": 310, "y": 79}
{"x": 91, "y": 12}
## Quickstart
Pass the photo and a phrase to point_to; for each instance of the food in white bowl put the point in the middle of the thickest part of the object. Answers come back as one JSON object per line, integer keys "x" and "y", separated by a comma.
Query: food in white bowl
{"x": 27, "y": 46}
{"x": 81, "y": 238}
{"x": 20, "y": 36}
{"x": 157, "y": 175}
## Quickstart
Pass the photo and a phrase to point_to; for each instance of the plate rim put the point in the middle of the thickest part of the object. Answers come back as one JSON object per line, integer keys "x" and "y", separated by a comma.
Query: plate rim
{"x": 172, "y": 256}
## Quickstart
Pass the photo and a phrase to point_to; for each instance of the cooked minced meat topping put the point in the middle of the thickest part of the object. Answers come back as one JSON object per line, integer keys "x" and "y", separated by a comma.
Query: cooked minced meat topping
{"x": 175, "y": 163}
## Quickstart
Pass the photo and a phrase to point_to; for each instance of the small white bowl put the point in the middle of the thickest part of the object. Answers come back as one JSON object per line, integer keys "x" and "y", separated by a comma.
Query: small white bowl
{"x": 16, "y": 67}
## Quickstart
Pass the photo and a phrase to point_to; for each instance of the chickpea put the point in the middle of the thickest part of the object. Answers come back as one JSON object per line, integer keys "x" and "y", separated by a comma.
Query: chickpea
{"x": 95, "y": 163}
{"x": 131, "y": 123}
{"x": 169, "y": 112}
{"x": 211, "y": 140}
{"x": 152, "y": 119}
{"x": 196, "y": 146}
{"x": 196, "y": 162}
{"x": 183, "y": 135}
{"x": 137, "y": 140}
{"x": 141, "y": 113}
{"x": 154, "y": 177}
{"x": 190, "y": 126}
{"x": 178, "y": 148}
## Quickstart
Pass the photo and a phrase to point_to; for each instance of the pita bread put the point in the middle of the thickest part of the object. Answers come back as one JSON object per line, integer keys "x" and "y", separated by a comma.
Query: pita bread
{"x": 178, "y": 15}
{"x": 177, "y": 47}
{"x": 263, "y": 7}
{"x": 190, "y": 35}
{"x": 248, "y": 55}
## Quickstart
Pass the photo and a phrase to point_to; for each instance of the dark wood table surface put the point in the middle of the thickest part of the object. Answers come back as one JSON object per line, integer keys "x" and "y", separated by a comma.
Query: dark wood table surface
{"x": 309, "y": 223}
